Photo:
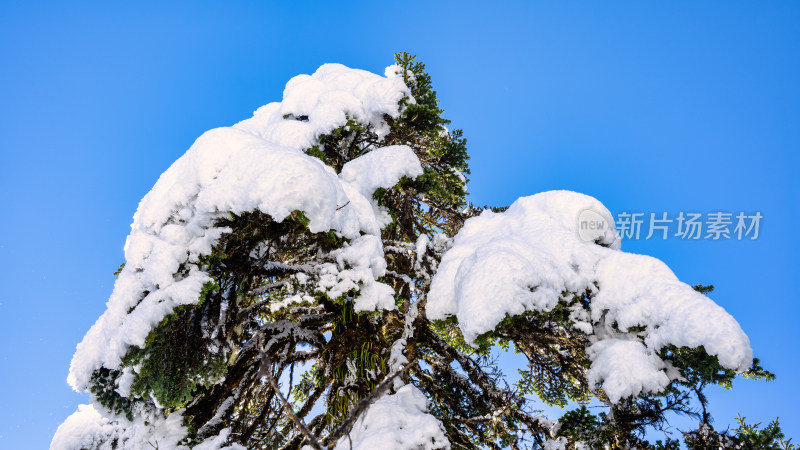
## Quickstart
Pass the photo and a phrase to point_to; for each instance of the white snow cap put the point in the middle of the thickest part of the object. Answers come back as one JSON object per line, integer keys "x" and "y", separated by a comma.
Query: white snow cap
{"x": 258, "y": 164}
{"x": 525, "y": 258}
{"x": 90, "y": 428}
{"x": 398, "y": 421}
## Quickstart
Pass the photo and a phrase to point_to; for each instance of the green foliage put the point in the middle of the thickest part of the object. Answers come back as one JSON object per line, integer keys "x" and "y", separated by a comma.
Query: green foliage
{"x": 746, "y": 437}
{"x": 340, "y": 145}
{"x": 549, "y": 387}
{"x": 173, "y": 363}
{"x": 705, "y": 290}
{"x": 311, "y": 380}
{"x": 669, "y": 444}
{"x": 300, "y": 217}
{"x": 448, "y": 329}
{"x": 555, "y": 352}
{"x": 177, "y": 359}
{"x": 579, "y": 425}
{"x": 363, "y": 365}
{"x": 103, "y": 386}
{"x": 443, "y": 153}
{"x": 771, "y": 437}
{"x": 699, "y": 369}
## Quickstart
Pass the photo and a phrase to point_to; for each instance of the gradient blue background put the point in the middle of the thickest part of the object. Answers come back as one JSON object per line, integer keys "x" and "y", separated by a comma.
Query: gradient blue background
{"x": 647, "y": 107}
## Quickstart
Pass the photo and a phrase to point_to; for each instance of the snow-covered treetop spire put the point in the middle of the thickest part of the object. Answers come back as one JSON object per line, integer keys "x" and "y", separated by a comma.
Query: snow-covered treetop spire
{"x": 321, "y": 258}
{"x": 258, "y": 164}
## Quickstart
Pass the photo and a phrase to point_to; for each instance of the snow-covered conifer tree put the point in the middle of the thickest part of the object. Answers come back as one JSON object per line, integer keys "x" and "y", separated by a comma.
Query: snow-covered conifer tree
{"x": 313, "y": 277}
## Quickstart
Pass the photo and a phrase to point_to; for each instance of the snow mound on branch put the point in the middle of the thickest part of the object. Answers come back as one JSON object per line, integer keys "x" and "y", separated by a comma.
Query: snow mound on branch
{"x": 531, "y": 256}
{"x": 258, "y": 164}
{"x": 398, "y": 421}
{"x": 516, "y": 261}
{"x": 88, "y": 428}
{"x": 625, "y": 368}
{"x": 394, "y": 162}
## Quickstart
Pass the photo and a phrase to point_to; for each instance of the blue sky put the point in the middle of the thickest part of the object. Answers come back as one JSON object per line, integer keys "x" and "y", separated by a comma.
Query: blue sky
{"x": 647, "y": 107}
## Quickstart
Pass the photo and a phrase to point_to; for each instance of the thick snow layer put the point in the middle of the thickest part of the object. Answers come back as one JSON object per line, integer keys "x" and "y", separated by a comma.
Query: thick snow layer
{"x": 85, "y": 428}
{"x": 256, "y": 164}
{"x": 515, "y": 261}
{"x": 398, "y": 421}
{"x": 625, "y": 368}
{"x": 526, "y": 258}
{"x": 557, "y": 444}
{"x": 89, "y": 428}
{"x": 395, "y": 161}
{"x": 358, "y": 263}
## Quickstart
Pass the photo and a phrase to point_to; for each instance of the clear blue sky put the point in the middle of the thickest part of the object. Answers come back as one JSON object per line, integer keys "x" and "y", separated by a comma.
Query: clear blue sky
{"x": 648, "y": 107}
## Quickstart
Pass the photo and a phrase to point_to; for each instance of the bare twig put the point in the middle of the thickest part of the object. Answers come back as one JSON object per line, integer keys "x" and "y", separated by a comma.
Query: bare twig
{"x": 289, "y": 411}
{"x": 266, "y": 288}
